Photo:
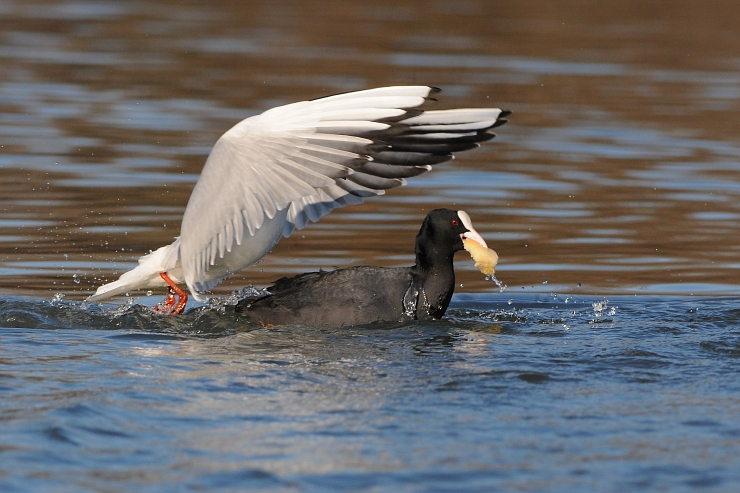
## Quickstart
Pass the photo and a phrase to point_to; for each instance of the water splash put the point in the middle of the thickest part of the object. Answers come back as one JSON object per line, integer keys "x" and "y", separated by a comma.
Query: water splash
{"x": 124, "y": 308}
{"x": 501, "y": 286}
{"x": 601, "y": 309}
{"x": 220, "y": 303}
{"x": 425, "y": 305}
{"x": 410, "y": 300}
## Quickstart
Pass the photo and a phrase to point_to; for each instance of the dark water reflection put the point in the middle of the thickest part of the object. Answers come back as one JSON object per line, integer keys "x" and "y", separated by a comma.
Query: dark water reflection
{"x": 617, "y": 172}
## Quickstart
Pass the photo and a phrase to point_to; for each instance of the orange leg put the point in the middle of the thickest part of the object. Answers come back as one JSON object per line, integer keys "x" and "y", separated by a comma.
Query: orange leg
{"x": 165, "y": 307}
{"x": 170, "y": 306}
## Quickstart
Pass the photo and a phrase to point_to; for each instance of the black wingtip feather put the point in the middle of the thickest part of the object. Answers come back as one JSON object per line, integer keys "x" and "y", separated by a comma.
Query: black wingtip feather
{"x": 390, "y": 171}
{"x": 451, "y": 139}
{"x": 374, "y": 182}
{"x": 499, "y": 122}
{"x": 408, "y": 113}
{"x": 398, "y": 158}
{"x": 382, "y": 136}
{"x": 433, "y": 148}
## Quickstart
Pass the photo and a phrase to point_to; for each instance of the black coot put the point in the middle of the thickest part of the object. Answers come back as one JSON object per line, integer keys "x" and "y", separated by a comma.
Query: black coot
{"x": 361, "y": 295}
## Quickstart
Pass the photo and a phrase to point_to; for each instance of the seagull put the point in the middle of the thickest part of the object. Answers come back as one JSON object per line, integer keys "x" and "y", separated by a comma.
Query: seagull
{"x": 272, "y": 173}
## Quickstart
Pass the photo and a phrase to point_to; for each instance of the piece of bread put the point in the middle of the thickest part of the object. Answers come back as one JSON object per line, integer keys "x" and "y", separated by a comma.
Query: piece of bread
{"x": 485, "y": 258}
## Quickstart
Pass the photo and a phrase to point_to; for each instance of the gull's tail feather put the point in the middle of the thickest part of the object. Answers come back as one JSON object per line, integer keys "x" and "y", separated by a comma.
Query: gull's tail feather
{"x": 145, "y": 276}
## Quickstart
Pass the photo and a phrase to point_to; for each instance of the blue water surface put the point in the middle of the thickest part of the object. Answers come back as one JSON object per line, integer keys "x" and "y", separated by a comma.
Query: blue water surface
{"x": 530, "y": 393}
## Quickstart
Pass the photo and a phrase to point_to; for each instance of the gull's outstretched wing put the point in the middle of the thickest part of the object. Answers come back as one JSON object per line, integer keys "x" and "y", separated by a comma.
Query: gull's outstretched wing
{"x": 272, "y": 173}
{"x": 265, "y": 163}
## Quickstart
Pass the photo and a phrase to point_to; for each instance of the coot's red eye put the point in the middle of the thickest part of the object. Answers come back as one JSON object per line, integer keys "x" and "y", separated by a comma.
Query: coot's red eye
{"x": 454, "y": 222}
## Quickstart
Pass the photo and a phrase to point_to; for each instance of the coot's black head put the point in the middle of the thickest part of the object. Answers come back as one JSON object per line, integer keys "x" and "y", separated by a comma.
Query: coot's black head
{"x": 443, "y": 232}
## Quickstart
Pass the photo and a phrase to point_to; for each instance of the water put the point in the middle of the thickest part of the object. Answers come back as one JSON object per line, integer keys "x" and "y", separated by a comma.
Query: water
{"x": 501, "y": 286}
{"x": 536, "y": 393}
{"x": 609, "y": 363}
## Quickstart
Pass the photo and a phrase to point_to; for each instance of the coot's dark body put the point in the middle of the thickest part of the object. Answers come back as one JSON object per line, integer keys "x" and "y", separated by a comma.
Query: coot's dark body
{"x": 362, "y": 295}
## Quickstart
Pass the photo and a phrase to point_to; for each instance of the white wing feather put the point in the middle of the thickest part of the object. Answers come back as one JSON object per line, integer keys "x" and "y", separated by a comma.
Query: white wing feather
{"x": 284, "y": 158}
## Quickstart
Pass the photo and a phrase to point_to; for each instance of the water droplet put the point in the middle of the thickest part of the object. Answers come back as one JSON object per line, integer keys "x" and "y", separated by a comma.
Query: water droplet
{"x": 410, "y": 300}
{"x": 501, "y": 286}
{"x": 602, "y": 308}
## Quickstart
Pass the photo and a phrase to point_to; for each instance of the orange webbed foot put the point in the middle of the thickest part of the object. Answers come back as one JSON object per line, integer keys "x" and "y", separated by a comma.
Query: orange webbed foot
{"x": 174, "y": 303}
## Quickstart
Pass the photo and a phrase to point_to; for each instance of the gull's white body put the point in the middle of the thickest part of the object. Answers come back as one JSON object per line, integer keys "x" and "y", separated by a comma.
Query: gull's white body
{"x": 272, "y": 173}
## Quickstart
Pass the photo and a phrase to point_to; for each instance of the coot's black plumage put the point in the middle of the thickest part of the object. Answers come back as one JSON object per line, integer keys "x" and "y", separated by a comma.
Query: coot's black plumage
{"x": 361, "y": 295}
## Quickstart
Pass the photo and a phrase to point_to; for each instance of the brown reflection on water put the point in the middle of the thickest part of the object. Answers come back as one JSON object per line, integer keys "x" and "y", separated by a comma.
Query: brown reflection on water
{"x": 618, "y": 171}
